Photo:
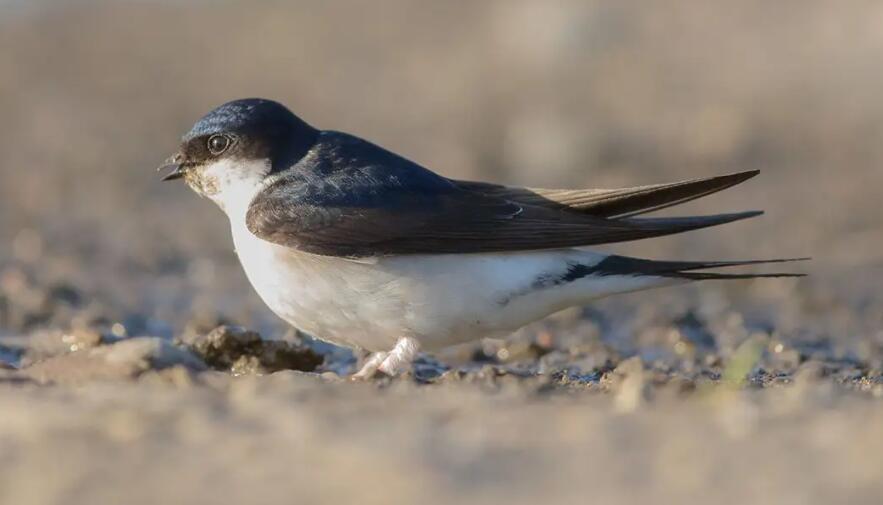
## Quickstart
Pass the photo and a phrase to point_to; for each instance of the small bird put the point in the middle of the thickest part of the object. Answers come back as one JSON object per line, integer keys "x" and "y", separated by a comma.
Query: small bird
{"x": 358, "y": 246}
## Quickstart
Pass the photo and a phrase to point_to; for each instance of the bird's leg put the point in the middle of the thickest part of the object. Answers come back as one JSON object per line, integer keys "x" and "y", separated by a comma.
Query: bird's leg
{"x": 401, "y": 356}
{"x": 370, "y": 367}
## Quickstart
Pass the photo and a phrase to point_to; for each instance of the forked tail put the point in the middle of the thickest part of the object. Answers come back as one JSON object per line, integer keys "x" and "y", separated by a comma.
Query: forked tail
{"x": 623, "y": 265}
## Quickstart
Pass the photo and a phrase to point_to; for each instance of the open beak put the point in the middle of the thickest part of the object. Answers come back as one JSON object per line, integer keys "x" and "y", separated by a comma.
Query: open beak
{"x": 174, "y": 167}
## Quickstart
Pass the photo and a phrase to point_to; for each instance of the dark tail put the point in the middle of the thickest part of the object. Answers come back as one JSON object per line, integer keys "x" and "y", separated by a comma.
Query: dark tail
{"x": 622, "y": 265}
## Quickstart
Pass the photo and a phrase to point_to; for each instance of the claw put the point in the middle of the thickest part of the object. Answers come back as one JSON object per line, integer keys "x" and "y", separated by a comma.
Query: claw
{"x": 369, "y": 369}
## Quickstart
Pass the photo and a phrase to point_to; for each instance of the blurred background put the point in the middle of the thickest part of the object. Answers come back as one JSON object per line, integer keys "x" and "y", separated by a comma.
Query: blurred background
{"x": 589, "y": 93}
{"x": 581, "y": 93}
{"x": 94, "y": 95}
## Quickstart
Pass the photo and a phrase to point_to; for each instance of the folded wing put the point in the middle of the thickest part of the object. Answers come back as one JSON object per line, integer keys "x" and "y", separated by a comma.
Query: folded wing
{"x": 464, "y": 217}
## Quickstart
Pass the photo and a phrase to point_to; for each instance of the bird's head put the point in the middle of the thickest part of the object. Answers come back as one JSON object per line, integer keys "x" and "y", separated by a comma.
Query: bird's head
{"x": 229, "y": 153}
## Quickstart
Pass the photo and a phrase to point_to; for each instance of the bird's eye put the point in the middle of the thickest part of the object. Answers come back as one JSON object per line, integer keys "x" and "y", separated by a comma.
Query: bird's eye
{"x": 217, "y": 144}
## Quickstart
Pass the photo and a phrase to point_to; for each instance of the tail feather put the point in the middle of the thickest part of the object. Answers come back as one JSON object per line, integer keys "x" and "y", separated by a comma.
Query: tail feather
{"x": 622, "y": 265}
{"x": 707, "y": 276}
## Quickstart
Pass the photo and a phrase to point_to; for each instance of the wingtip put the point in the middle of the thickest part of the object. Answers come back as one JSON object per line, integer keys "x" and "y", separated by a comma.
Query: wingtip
{"x": 682, "y": 224}
{"x": 807, "y": 258}
{"x": 731, "y": 217}
{"x": 735, "y": 178}
{"x": 660, "y": 196}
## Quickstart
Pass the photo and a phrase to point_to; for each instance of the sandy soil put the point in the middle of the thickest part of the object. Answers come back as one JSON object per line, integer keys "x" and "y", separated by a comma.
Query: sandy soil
{"x": 131, "y": 364}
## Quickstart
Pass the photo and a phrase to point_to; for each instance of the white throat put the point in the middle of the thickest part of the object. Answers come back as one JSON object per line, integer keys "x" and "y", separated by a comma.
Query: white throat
{"x": 233, "y": 184}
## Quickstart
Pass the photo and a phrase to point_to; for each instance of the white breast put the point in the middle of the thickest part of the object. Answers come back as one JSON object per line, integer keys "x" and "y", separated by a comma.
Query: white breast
{"x": 329, "y": 298}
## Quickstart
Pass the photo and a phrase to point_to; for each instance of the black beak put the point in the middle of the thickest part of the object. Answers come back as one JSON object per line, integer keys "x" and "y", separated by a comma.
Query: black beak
{"x": 174, "y": 167}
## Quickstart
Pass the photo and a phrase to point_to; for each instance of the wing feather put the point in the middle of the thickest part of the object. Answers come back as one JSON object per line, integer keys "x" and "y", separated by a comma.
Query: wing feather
{"x": 614, "y": 203}
{"x": 460, "y": 223}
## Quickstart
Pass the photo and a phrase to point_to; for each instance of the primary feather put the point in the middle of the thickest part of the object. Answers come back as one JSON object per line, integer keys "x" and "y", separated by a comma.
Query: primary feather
{"x": 611, "y": 203}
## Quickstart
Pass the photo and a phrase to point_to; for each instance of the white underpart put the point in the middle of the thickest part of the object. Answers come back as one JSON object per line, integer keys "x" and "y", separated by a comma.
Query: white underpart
{"x": 432, "y": 300}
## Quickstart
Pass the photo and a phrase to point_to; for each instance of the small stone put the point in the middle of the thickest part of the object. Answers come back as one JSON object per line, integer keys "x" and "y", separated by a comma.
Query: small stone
{"x": 218, "y": 344}
{"x": 246, "y": 365}
{"x": 243, "y": 351}
{"x": 331, "y": 377}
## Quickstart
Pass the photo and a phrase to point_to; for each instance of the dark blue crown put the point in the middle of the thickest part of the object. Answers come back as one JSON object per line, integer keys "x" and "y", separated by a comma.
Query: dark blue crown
{"x": 247, "y": 114}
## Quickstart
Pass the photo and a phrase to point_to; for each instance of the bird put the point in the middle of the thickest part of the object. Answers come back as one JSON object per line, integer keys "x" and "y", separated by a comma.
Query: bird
{"x": 358, "y": 246}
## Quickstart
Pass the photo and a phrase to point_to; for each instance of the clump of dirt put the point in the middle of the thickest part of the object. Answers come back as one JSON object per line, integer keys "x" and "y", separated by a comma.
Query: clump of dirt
{"x": 242, "y": 351}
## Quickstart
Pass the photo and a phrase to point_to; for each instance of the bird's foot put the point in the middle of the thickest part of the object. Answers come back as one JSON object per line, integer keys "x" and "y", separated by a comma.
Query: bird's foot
{"x": 389, "y": 363}
{"x": 400, "y": 357}
{"x": 369, "y": 369}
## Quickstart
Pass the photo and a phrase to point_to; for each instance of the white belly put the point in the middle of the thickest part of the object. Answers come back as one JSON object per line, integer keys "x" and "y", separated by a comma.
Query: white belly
{"x": 440, "y": 300}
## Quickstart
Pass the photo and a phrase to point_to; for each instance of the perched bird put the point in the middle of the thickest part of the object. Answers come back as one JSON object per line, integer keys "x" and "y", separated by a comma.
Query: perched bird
{"x": 361, "y": 247}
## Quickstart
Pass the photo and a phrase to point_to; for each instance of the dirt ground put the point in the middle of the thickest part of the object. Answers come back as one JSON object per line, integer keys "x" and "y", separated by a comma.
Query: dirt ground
{"x": 137, "y": 365}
